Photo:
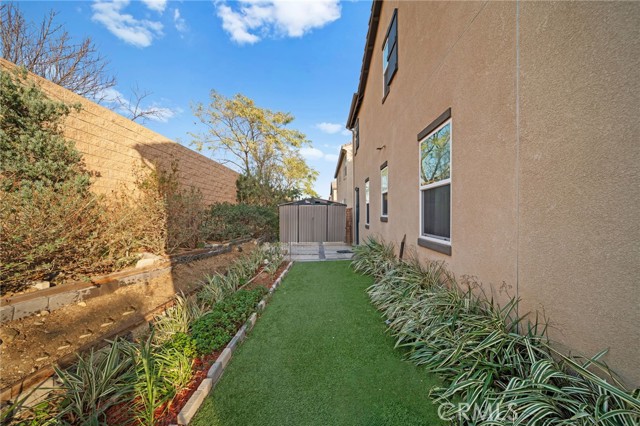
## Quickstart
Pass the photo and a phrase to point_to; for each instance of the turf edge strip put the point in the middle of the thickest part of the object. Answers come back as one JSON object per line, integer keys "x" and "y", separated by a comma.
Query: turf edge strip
{"x": 215, "y": 372}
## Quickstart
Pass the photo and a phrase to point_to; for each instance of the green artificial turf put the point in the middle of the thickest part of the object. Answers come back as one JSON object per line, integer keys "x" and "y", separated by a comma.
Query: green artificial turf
{"x": 320, "y": 356}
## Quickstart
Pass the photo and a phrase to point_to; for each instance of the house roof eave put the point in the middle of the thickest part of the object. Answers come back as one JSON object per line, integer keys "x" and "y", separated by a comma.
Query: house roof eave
{"x": 343, "y": 152}
{"x": 356, "y": 100}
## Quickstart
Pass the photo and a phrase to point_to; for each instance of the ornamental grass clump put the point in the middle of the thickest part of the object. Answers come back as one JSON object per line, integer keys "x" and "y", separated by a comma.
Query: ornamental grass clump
{"x": 98, "y": 381}
{"x": 374, "y": 257}
{"x": 498, "y": 368}
{"x": 216, "y": 287}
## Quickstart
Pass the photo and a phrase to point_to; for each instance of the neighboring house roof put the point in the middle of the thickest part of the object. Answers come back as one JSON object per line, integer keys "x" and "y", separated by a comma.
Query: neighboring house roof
{"x": 343, "y": 153}
{"x": 311, "y": 202}
{"x": 332, "y": 189}
{"x": 366, "y": 62}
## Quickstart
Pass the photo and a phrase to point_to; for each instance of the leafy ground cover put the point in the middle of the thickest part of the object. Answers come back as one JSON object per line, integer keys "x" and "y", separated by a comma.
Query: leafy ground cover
{"x": 319, "y": 356}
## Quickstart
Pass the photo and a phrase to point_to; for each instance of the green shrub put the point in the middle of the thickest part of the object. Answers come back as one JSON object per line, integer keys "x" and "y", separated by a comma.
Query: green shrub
{"x": 212, "y": 331}
{"x": 177, "y": 368}
{"x": 373, "y": 257}
{"x": 183, "y": 343}
{"x": 225, "y": 221}
{"x": 149, "y": 384}
{"x": 51, "y": 225}
{"x": 33, "y": 152}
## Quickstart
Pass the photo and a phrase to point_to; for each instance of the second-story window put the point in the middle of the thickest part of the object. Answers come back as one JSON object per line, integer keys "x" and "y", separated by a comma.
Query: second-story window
{"x": 390, "y": 54}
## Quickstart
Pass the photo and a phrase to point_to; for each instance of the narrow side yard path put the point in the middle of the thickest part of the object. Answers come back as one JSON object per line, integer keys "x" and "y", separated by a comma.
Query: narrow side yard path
{"x": 320, "y": 356}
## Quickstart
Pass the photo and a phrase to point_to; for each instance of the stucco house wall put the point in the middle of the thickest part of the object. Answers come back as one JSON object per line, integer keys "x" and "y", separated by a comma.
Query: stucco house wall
{"x": 545, "y": 155}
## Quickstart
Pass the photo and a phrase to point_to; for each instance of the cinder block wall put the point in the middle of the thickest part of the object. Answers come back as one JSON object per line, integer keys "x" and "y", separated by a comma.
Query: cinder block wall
{"x": 114, "y": 146}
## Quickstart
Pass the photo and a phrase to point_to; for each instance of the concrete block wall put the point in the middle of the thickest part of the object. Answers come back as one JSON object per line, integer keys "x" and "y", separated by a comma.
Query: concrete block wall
{"x": 113, "y": 147}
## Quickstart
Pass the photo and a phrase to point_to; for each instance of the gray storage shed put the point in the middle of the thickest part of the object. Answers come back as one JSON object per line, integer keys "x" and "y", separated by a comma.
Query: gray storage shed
{"x": 312, "y": 220}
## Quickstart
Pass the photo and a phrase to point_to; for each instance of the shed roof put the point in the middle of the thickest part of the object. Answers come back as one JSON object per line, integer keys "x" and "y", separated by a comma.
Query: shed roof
{"x": 312, "y": 202}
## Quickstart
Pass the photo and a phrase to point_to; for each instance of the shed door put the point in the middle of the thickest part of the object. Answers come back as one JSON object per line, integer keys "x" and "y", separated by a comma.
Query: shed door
{"x": 289, "y": 224}
{"x": 312, "y": 224}
{"x": 337, "y": 221}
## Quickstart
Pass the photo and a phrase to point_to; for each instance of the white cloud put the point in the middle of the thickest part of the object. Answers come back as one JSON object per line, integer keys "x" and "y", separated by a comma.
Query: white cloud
{"x": 346, "y": 132}
{"x": 179, "y": 22}
{"x": 310, "y": 153}
{"x": 116, "y": 101}
{"x": 162, "y": 114}
{"x": 331, "y": 157}
{"x": 235, "y": 25}
{"x": 109, "y": 95}
{"x": 157, "y": 5}
{"x": 255, "y": 19}
{"x": 330, "y": 128}
{"x": 137, "y": 32}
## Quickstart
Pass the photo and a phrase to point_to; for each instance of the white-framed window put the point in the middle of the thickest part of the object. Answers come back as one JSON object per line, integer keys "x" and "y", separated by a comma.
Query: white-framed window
{"x": 384, "y": 190}
{"x": 390, "y": 54}
{"x": 435, "y": 184}
{"x": 366, "y": 201}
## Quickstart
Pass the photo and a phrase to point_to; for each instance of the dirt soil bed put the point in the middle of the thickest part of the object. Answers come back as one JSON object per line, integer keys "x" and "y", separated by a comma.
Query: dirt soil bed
{"x": 30, "y": 344}
{"x": 264, "y": 279}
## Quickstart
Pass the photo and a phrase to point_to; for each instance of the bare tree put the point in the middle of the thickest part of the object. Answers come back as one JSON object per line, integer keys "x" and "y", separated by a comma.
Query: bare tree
{"x": 134, "y": 109}
{"x": 47, "y": 49}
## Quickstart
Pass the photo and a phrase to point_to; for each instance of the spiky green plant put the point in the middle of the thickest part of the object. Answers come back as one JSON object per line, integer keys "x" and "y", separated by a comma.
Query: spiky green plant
{"x": 176, "y": 368}
{"x": 149, "y": 381}
{"x": 501, "y": 365}
{"x": 177, "y": 318}
{"x": 98, "y": 381}
{"x": 373, "y": 257}
{"x": 271, "y": 257}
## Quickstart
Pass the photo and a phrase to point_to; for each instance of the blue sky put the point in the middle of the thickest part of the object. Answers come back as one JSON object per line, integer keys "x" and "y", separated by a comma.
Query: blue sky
{"x": 302, "y": 57}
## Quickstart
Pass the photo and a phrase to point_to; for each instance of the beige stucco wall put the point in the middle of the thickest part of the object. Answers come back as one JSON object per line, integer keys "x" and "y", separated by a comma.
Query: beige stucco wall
{"x": 344, "y": 184}
{"x": 545, "y": 155}
{"x": 579, "y": 180}
{"x": 114, "y": 146}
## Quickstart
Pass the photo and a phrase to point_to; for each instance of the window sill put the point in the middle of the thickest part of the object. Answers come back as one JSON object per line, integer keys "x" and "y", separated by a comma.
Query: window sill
{"x": 384, "y": 98}
{"x": 435, "y": 246}
{"x": 384, "y": 218}
{"x": 366, "y": 226}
